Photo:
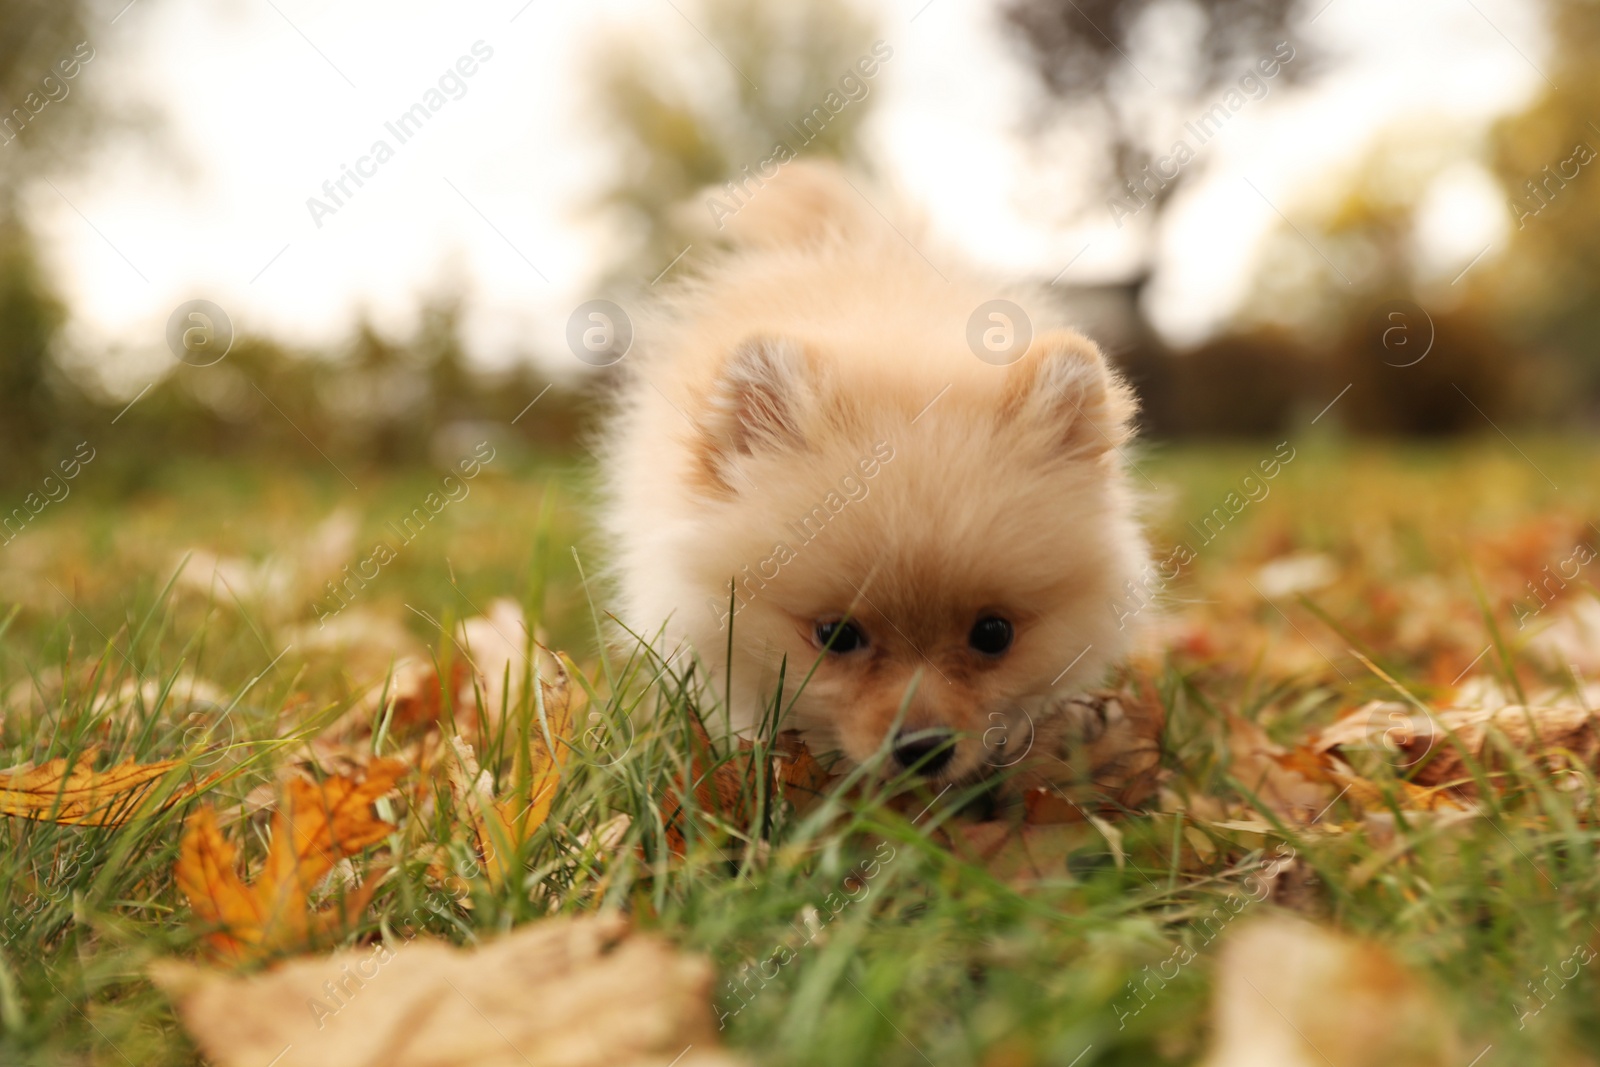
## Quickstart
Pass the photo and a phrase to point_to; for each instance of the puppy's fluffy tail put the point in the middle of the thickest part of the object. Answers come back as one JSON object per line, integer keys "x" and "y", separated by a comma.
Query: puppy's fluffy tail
{"x": 808, "y": 202}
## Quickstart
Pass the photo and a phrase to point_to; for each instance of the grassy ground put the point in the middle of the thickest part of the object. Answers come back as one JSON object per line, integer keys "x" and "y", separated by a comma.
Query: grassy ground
{"x": 1417, "y": 558}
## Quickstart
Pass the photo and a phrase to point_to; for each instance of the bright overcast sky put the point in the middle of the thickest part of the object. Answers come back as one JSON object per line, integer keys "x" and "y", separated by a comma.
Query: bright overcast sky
{"x": 265, "y": 100}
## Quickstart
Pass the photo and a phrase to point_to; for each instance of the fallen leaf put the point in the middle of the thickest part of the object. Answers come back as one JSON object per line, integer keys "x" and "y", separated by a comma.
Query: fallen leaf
{"x": 564, "y": 992}
{"x": 1099, "y": 751}
{"x": 1559, "y": 736}
{"x": 365, "y": 640}
{"x": 409, "y": 699}
{"x": 728, "y": 787}
{"x": 606, "y": 838}
{"x": 496, "y": 646}
{"x": 226, "y": 578}
{"x": 1292, "y": 783}
{"x": 797, "y": 773}
{"x": 502, "y": 825}
{"x": 493, "y": 821}
{"x": 69, "y": 790}
{"x": 282, "y": 583}
{"x": 1572, "y": 641}
{"x": 1303, "y": 572}
{"x": 1291, "y": 994}
{"x": 492, "y": 655}
{"x": 183, "y": 695}
{"x": 316, "y": 825}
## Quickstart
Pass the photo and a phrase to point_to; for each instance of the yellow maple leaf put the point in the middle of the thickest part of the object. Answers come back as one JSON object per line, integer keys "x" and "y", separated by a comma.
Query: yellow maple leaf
{"x": 317, "y": 824}
{"x": 69, "y": 790}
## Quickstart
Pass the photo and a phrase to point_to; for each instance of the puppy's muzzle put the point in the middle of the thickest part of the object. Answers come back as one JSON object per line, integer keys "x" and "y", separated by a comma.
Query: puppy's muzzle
{"x": 925, "y": 751}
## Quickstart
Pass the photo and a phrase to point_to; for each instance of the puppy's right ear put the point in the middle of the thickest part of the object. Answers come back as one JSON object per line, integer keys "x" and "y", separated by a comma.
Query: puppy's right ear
{"x": 754, "y": 406}
{"x": 1063, "y": 385}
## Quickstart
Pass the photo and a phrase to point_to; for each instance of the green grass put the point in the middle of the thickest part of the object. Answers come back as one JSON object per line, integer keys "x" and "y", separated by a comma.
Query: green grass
{"x": 937, "y": 959}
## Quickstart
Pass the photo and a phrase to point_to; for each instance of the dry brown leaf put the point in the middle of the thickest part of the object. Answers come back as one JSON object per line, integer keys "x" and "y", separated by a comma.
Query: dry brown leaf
{"x": 409, "y": 697}
{"x": 1300, "y": 785}
{"x": 567, "y": 992}
{"x": 323, "y": 756}
{"x": 1095, "y": 757}
{"x": 365, "y": 641}
{"x": 281, "y": 584}
{"x": 796, "y": 772}
{"x": 1290, "y": 994}
{"x": 316, "y": 826}
{"x": 1100, "y": 751}
{"x": 1557, "y": 735}
{"x": 490, "y": 657}
{"x": 70, "y": 790}
{"x": 1293, "y": 783}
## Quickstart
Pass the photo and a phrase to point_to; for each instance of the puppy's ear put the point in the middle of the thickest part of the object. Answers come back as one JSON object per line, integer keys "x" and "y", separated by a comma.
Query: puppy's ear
{"x": 755, "y": 405}
{"x": 1064, "y": 385}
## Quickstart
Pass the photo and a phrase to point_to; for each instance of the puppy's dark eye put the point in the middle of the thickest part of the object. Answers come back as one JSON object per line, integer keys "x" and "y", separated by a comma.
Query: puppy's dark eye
{"x": 840, "y": 637}
{"x": 990, "y": 635}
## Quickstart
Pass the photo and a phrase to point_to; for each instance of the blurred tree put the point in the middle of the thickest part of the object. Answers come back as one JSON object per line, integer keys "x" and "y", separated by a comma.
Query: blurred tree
{"x": 43, "y": 50}
{"x": 1346, "y": 276}
{"x": 1356, "y": 240}
{"x": 46, "y": 120}
{"x": 1133, "y": 91}
{"x": 373, "y": 400}
{"x": 1546, "y": 285}
{"x": 1516, "y": 338}
{"x": 30, "y": 316}
{"x": 378, "y": 395}
{"x": 1132, "y": 79}
{"x": 679, "y": 123}
{"x": 376, "y": 400}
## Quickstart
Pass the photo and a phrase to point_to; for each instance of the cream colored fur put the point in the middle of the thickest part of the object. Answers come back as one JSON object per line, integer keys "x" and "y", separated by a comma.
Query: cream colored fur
{"x": 823, "y": 341}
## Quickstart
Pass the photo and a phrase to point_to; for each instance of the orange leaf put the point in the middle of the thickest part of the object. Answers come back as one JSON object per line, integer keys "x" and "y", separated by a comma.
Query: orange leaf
{"x": 798, "y": 774}
{"x": 320, "y": 823}
{"x": 315, "y": 826}
{"x": 70, "y": 790}
{"x": 1045, "y": 805}
{"x": 207, "y": 875}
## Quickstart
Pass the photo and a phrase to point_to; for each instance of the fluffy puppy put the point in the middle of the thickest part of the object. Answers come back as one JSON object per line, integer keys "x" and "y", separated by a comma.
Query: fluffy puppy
{"x": 924, "y": 545}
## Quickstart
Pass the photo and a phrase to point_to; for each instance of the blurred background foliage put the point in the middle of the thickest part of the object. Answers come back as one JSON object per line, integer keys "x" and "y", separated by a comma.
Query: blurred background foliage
{"x": 679, "y": 129}
{"x": 1514, "y": 339}
{"x": 1545, "y": 291}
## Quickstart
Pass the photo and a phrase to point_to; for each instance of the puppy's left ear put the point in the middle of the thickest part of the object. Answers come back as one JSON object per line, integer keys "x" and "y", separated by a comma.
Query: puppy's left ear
{"x": 1063, "y": 384}
{"x": 755, "y": 405}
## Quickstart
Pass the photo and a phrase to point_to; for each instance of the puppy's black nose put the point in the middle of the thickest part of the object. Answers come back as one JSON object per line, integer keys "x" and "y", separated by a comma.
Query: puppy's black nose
{"x": 929, "y": 751}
